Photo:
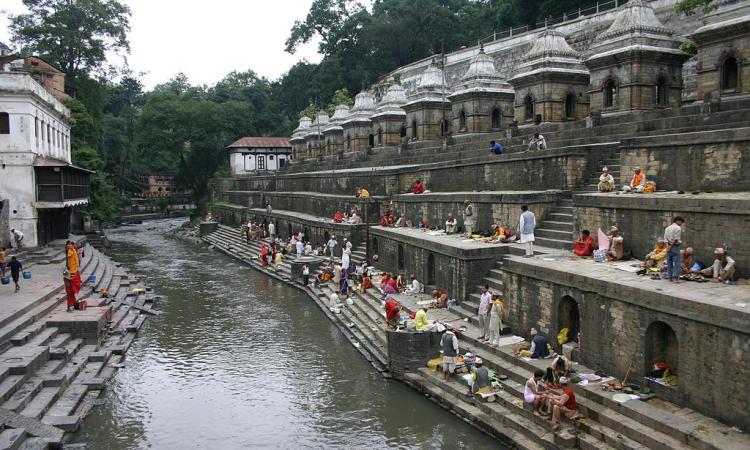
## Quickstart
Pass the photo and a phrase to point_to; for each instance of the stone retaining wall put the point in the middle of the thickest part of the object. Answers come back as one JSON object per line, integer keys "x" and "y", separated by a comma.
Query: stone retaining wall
{"x": 489, "y": 208}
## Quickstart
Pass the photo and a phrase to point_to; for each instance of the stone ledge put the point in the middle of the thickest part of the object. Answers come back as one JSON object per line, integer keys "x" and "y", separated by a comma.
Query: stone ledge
{"x": 305, "y": 218}
{"x": 520, "y": 197}
{"x": 448, "y": 245}
{"x": 708, "y": 303}
{"x": 719, "y": 202}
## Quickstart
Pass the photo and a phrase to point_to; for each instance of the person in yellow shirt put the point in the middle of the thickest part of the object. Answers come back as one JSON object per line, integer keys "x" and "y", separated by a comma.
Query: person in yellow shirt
{"x": 72, "y": 258}
{"x": 362, "y": 192}
{"x": 657, "y": 255}
{"x": 420, "y": 321}
{"x": 2, "y": 261}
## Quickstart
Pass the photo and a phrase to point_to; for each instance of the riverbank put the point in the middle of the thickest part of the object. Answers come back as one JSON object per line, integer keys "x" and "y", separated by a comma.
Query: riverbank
{"x": 647, "y": 422}
{"x": 55, "y": 364}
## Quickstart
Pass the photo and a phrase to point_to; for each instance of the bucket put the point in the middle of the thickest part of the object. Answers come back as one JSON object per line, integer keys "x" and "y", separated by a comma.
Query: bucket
{"x": 91, "y": 279}
{"x": 5, "y": 280}
{"x": 27, "y": 275}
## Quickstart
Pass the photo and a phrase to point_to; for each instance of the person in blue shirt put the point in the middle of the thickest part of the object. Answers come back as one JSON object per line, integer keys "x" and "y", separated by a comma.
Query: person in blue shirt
{"x": 496, "y": 148}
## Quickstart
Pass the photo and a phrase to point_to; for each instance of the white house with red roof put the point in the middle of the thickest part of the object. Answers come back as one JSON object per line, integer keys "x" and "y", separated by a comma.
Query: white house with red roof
{"x": 259, "y": 154}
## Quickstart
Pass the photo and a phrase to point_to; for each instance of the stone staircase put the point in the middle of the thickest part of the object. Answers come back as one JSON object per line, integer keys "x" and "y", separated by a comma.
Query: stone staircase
{"x": 606, "y": 424}
{"x": 556, "y": 230}
{"x": 50, "y": 378}
{"x": 612, "y": 162}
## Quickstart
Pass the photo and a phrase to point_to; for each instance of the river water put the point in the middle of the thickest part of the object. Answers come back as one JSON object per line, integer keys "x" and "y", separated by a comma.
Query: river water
{"x": 238, "y": 360}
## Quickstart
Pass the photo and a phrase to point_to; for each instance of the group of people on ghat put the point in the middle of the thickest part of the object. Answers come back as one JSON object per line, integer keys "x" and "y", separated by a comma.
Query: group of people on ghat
{"x": 668, "y": 260}
{"x": 638, "y": 183}
{"x": 15, "y": 267}
{"x": 536, "y": 142}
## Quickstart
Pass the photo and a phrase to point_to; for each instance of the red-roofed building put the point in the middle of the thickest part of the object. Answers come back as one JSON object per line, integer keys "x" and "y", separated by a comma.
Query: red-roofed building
{"x": 258, "y": 154}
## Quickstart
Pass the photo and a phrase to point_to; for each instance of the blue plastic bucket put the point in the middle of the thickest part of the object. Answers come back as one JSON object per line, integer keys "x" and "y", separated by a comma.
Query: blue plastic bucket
{"x": 5, "y": 280}
{"x": 27, "y": 275}
{"x": 91, "y": 279}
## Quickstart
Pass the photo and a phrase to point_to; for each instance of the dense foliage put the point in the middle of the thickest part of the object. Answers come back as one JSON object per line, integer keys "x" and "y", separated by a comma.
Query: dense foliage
{"x": 122, "y": 131}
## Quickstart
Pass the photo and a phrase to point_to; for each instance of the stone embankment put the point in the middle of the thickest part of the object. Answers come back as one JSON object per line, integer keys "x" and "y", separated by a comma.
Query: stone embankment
{"x": 54, "y": 364}
{"x": 606, "y": 424}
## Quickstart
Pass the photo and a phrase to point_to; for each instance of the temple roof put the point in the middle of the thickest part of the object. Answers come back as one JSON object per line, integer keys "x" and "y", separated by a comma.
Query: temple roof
{"x": 339, "y": 116}
{"x": 302, "y": 128}
{"x": 393, "y": 100}
{"x": 482, "y": 76}
{"x": 363, "y": 109}
{"x": 635, "y": 29}
{"x": 550, "y": 53}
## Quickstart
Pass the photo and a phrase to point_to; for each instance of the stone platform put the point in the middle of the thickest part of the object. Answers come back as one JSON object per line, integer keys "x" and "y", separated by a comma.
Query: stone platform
{"x": 711, "y": 220}
{"x": 623, "y": 318}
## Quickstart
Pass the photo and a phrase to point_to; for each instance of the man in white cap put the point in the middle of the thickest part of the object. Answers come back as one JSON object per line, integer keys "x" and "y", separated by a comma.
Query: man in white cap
{"x": 637, "y": 183}
{"x": 722, "y": 269}
{"x": 564, "y": 403}
{"x": 479, "y": 382}
{"x": 616, "y": 244}
{"x": 17, "y": 236}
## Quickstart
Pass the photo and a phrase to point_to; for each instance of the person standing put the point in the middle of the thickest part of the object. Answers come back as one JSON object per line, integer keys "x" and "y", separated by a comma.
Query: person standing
{"x": 526, "y": 227}
{"x": 73, "y": 264}
{"x": 15, "y": 271}
{"x": 331, "y": 245}
{"x": 484, "y": 313}
{"x": 2, "y": 261}
{"x": 300, "y": 247}
{"x": 673, "y": 236}
{"x": 17, "y": 236}
{"x": 272, "y": 231}
{"x": 468, "y": 217}
{"x": 305, "y": 275}
{"x": 449, "y": 345}
{"x": 496, "y": 321}
{"x": 70, "y": 293}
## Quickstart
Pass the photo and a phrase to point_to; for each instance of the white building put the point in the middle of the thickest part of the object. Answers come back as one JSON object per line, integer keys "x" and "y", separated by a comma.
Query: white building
{"x": 259, "y": 154}
{"x": 38, "y": 184}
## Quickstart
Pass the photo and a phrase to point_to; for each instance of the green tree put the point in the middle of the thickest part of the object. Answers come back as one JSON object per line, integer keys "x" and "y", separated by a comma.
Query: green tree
{"x": 689, "y": 7}
{"x": 74, "y": 35}
{"x": 340, "y": 97}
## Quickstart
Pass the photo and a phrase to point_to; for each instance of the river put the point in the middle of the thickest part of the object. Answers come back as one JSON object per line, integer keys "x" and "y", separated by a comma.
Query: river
{"x": 239, "y": 360}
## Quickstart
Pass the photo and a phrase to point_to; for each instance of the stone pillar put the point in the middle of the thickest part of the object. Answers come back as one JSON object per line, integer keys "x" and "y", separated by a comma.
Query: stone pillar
{"x": 408, "y": 351}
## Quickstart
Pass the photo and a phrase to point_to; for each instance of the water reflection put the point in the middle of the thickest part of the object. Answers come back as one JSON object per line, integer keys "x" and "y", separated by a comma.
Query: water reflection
{"x": 238, "y": 360}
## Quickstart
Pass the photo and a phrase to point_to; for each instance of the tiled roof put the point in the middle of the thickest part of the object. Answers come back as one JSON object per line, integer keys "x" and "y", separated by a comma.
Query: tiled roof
{"x": 261, "y": 142}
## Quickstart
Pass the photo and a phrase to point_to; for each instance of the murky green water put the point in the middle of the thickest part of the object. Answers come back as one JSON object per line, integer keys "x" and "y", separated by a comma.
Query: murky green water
{"x": 238, "y": 360}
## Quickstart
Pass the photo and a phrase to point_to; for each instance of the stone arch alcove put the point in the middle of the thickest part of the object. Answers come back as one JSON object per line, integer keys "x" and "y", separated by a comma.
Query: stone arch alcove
{"x": 374, "y": 246}
{"x": 431, "y": 270}
{"x": 660, "y": 92}
{"x": 462, "y": 121}
{"x": 730, "y": 74}
{"x": 400, "y": 263}
{"x": 568, "y": 316}
{"x": 307, "y": 233}
{"x": 326, "y": 237}
{"x": 610, "y": 93}
{"x": 414, "y": 128}
{"x": 528, "y": 107}
{"x": 495, "y": 118}
{"x": 661, "y": 346}
{"x": 570, "y": 106}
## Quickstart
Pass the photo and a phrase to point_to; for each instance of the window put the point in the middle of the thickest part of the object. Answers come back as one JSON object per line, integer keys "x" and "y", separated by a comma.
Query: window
{"x": 730, "y": 74}
{"x": 660, "y": 92}
{"x": 610, "y": 93}
{"x": 42, "y": 131}
{"x": 261, "y": 162}
{"x": 328, "y": 146}
{"x": 402, "y": 131}
{"x": 270, "y": 157}
{"x": 445, "y": 127}
{"x": 4, "y": 123}
{"x": 528, "y": 108}
{"x": 36, "y": 127}
{"x": 496, "y": 119}
{"x": 462, "y": 121}
{"x": 570, "y": 106}
{"x": 348, "y": 142}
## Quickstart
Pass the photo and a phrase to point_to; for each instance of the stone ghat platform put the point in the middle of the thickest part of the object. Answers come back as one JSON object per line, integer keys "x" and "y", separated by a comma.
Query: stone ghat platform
{"x": 712, "y": 220}
{"x": 54, "y": 364}
{"x": 654, "y": 424}
{"x": 701, "y": 330}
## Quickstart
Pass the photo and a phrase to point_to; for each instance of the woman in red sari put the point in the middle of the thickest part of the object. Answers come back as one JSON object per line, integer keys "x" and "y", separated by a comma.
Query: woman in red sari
{"x": 584, "y": 246}
{"x": 69, "y": 292}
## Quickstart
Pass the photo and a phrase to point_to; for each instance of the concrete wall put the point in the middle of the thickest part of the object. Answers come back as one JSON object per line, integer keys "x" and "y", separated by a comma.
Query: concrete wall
{"x": 711, "y": 221}
{"x": 713, "y": 343}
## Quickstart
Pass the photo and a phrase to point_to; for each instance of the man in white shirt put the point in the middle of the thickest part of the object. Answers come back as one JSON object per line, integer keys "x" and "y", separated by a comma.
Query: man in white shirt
{"x": 484, "y": 312}
{"x": 415, "y": 288}
{"x": 673, "y": 236}
{"x": 331, "y": 245}
{"x": 18, "y": 237}
{"x": 300, "y": 247}
{"x": 526, "y": 226}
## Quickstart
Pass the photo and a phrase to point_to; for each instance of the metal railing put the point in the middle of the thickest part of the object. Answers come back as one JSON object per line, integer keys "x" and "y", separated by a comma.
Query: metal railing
{"x": 580, "y": 12}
